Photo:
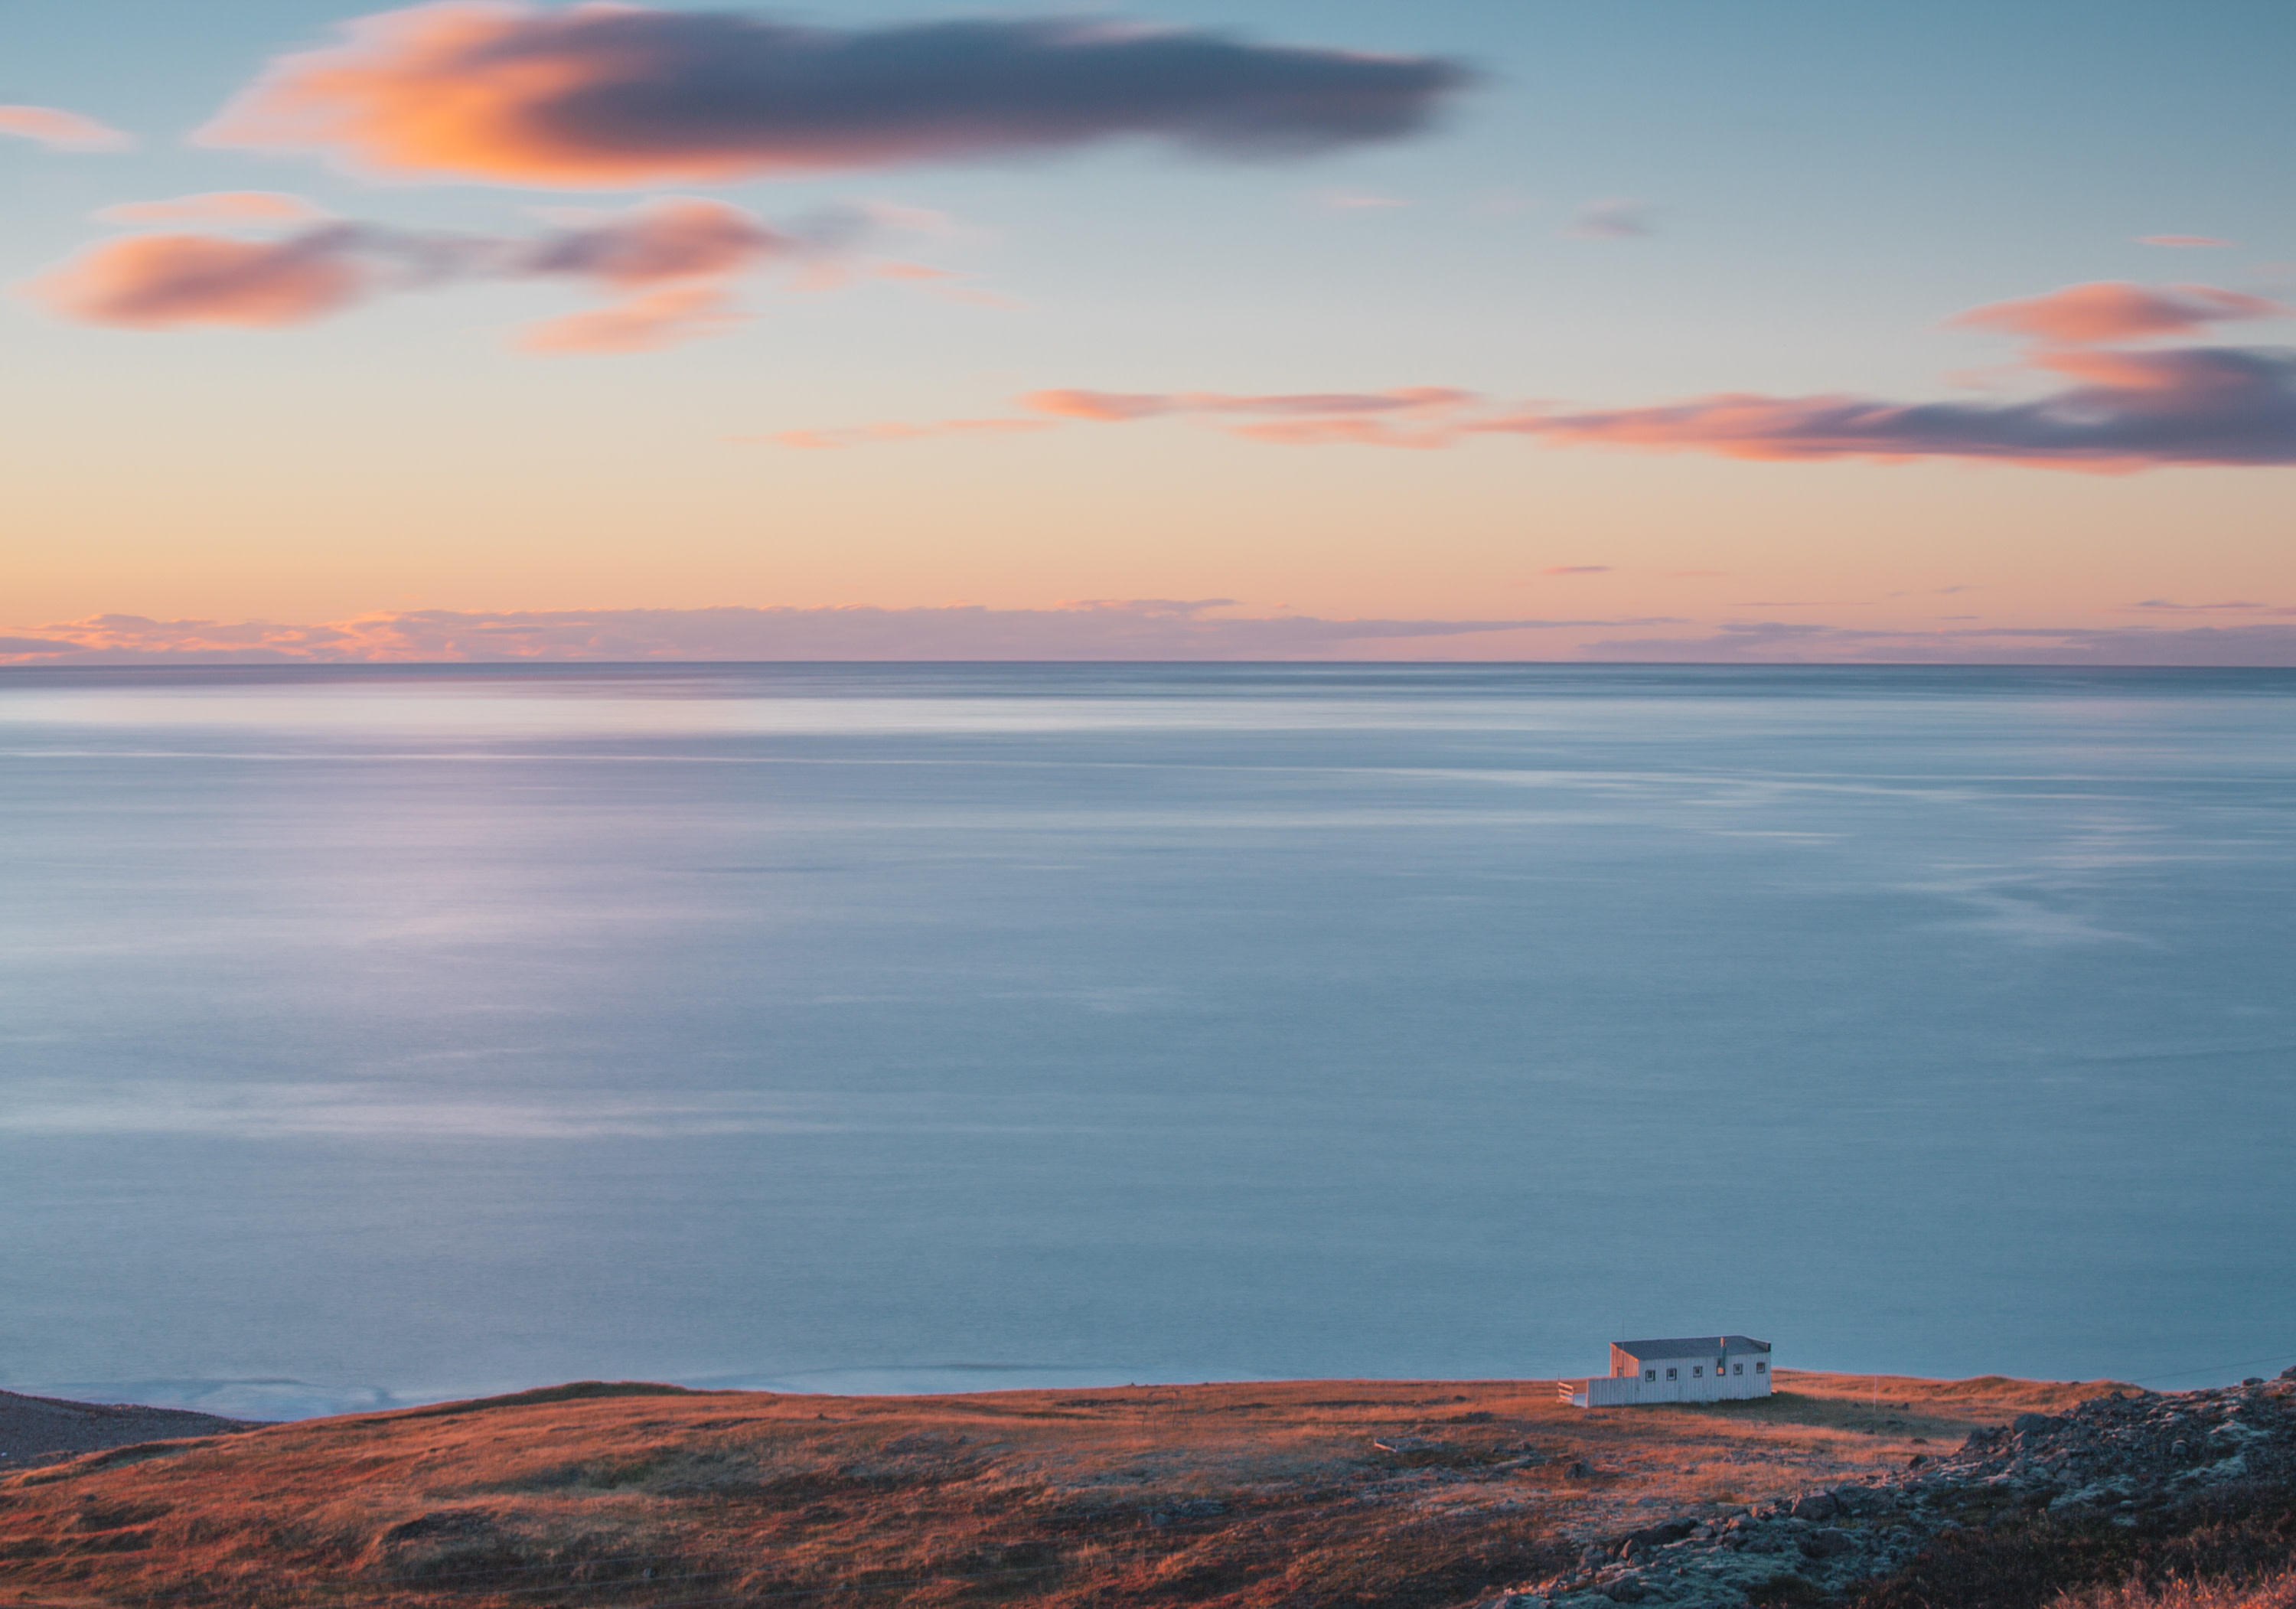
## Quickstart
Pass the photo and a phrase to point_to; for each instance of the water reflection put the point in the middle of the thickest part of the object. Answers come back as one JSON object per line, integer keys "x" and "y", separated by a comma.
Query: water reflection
{"x": 414, "y": 1031}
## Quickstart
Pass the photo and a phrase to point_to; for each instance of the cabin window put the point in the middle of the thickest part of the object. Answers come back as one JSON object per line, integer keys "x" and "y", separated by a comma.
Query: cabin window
{"x": 1738, "y": 1369}
{"x": 1649, "y": 1374}
{"x": 1673, "y": 1373}
{"x": 1761, "y": 1368}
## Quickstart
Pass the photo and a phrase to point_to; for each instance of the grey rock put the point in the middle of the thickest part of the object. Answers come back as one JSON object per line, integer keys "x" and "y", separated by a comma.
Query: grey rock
{"x": 2114, "y": 1458}
{"x": 1654, "y": 1535}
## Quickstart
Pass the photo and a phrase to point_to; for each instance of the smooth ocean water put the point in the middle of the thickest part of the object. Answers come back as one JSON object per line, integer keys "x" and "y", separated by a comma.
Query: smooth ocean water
{"x": 376, "y": 1035}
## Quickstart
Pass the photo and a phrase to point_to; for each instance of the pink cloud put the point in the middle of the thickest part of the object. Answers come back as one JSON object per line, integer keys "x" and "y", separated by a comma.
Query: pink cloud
{"x": 2123, "y": 409}
{"x": 2236, "y": 606}
{"x": 941, "y": 282}
{"x": 1104, "y": 406}
{"x": 1576, "y": 569}
{"x": 160, "y": 282}
{"x": 114, "y": 638}
{"x": 1403, "y": 399}
{"x": 1809, "y": 643}
{"x": 2110, "y": 310}
{"x": 2197, "y": 405}
{"x": 601, "y": 94}
{"x": 1148, "y": 629}
{"x": 679, "y": 238}
{"x": 2187, "y": 241}
{"x": 1359, "y": 418}
{"x": 61, "y": 130}
{"x": 667, "y": 315}
{"x": 673, "y": 261}
{"x": 216, "y": 207}
{"x": 2136, "y": 410}
{"x": 1105, "y": 630}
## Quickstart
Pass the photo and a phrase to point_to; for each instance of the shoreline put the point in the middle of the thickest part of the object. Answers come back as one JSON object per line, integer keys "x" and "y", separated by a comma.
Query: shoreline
{"x": 286, "y": 1401}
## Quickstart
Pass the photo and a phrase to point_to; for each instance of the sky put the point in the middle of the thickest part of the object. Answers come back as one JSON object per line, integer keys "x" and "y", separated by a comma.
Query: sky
{"x": 1466, "y": 329}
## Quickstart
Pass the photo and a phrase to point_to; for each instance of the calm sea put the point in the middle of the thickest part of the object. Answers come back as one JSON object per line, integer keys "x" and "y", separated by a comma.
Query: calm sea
{"x": 380, "y": 1035}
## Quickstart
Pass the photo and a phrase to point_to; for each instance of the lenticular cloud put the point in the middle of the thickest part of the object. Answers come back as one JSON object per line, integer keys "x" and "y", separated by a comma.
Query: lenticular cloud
{"x": 609, "y": 96}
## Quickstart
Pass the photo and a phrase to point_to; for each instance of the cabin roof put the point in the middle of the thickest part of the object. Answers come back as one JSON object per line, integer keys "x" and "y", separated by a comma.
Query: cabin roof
{"x": 1691, "y": 1346}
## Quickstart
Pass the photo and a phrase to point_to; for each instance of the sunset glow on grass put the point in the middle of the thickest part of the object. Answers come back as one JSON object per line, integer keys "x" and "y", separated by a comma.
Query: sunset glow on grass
{"x": 1237, "y": 1495}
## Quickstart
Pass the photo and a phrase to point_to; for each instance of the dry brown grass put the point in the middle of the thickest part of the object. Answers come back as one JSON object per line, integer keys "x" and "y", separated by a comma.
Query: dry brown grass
{"x": 1327, "y": 1492}
{"x": 2276, "y": 1590}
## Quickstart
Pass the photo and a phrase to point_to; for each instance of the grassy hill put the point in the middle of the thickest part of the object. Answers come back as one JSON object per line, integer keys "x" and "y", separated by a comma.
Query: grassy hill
{"x": 1322, "y": 1492}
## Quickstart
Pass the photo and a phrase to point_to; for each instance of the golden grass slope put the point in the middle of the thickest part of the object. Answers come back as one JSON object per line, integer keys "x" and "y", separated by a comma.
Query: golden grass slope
{"x": 2275, "y": 1590}
{"x": 1321, "y": 1492}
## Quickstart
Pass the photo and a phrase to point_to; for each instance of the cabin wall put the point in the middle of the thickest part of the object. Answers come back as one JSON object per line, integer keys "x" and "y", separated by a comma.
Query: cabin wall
{"x": 1625, "y": 1386}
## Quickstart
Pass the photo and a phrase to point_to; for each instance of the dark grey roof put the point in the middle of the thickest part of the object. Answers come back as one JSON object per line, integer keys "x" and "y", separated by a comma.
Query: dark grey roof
{"x": 1692, "y": 1346}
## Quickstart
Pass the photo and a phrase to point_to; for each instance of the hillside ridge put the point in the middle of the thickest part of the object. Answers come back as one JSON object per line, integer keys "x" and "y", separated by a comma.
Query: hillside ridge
{"x": 1433, "y": 1493}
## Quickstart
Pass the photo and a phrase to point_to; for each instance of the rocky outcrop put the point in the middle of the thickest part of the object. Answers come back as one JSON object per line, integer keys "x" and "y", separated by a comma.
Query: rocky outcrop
{"x": 2118, "y": 1459}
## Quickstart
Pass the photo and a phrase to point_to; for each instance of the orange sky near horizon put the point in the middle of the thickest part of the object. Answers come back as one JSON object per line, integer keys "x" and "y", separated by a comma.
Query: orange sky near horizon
{"x": 314, "y": 359}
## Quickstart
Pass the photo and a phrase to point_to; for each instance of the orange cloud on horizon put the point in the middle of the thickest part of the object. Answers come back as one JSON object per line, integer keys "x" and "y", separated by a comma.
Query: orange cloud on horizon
{"x": 1101, "y": 629}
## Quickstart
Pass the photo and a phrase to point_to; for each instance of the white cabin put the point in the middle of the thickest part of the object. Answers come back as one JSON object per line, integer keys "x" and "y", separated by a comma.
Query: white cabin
{"x": 1699, "y": 1369}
